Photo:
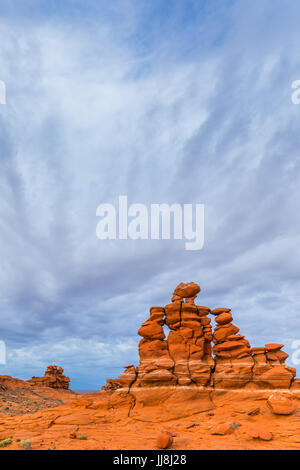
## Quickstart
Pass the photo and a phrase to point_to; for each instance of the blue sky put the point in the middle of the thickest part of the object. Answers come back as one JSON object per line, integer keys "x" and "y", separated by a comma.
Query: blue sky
{"x": 164, "y": 101}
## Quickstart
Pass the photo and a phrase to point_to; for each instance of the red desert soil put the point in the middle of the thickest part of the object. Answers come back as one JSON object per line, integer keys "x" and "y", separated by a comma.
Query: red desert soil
{"x": 18, "y": 397}
{"x": 103, "y": 418}
{"x": 184, "y": 394}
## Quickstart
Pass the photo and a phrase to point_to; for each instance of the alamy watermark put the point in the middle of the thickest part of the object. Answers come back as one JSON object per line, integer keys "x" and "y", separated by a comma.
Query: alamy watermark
{"x": 2, "y": 352}
{"x": 296, "y": 94}
{"x": 296, "y": 354}
{"x": 2, "y": 92}
{"x": 160, "y": 221}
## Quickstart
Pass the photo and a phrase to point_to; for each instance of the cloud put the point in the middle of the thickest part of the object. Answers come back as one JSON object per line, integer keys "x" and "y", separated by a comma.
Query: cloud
{"x": 163, "y": 107}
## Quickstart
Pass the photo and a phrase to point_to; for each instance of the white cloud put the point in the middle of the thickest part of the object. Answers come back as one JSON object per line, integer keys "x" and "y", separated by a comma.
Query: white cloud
{"x": 199, "y": 115}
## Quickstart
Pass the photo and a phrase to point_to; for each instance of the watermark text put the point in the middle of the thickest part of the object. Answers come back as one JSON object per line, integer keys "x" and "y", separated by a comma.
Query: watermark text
{"x": 296, "y": 94}
{"x": 2, "y": 352}
{"x": 2, "y": 92}
{"x": 160, "y": 221}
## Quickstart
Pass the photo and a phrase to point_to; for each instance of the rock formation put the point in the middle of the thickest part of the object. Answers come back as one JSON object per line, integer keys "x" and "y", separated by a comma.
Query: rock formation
{"x": 184, "y": 394}
{"x": 54, "y": 378}
{"x": 233, "y": 359}
{"x": 185, "y": 358}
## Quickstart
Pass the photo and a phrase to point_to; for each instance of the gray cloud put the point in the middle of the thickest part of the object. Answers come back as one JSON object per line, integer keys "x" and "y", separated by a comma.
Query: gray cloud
{"x": 197, "y": 112}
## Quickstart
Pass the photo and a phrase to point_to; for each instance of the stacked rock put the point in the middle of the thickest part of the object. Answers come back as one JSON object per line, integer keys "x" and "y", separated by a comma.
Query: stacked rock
{"x": 188, "y": 343}
{"x": 54, "y": 377}
{"x": 224, "y": 326}
{"x": 124, "y": 380}
{"x": 269, "y": 369}
{"x": 156, "y": 365}
{"x": 274, "y": 353}
{"x": 203, "y": 313}
{"x": 232, "y": 353}
{"x": 185, "y": 357}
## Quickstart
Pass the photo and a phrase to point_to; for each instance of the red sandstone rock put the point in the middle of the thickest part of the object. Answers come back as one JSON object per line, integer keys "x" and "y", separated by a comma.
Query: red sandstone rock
{"x": 190, "y": 300}
{"x": 233, "y": 373}
{"x": 53, "y": 378}
{"x": 176, "y": 298}
{"x": 157, "y": 314}
{"x": 203, "y": 310}
{"x": 189, "y": 289}
{"x": 173, "y": 315}
{"x": 260, "y": 433}
{"x": 277, "y": 377}
{"x": 185, "y": 357}
{"x": 228, "y": 345}
{"x": 151, "y": 330}
{"x": 274, "y": 347}
{"x": 258, "y": 350}
{"x": 224, "y": 318}
{"x": 295, "y": 384}
{"x": 221, "y": 333}
{"x": 218, "y": 311}
{"x": 204, "y": 321}
{"x": 280, "y": 405}
{"x": 235, "y": 337}
{"x": 170, "y": 384}
{"x": 223, "y": 429}
{"x": 282, "y": 356}
{"x": 164, "y": 440}
{"x": 128, "y": 376}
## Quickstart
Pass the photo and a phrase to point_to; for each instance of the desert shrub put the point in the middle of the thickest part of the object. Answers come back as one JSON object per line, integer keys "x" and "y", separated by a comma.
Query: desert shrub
{"x": 5, "y": 442}
{"x": 26, "y": 445}
{"x": 82, "y": 438}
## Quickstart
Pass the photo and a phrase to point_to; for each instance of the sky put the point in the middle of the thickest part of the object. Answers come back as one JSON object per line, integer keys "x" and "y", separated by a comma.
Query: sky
{"x": 165, "y": 102}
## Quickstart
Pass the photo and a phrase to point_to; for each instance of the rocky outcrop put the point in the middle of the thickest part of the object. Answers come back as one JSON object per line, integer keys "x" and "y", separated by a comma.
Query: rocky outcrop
{"x": 186, "y": 357}
{"x": 54, "y": 378}
{"x": 232, "y": 353}
{"x": 269, "y": 369}
{"x": 237, "y": 364}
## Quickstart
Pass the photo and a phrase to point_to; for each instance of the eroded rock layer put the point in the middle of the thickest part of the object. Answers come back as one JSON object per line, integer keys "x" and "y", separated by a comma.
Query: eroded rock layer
{"x": 186, "y": 356}
{"x": 54, "y": 378}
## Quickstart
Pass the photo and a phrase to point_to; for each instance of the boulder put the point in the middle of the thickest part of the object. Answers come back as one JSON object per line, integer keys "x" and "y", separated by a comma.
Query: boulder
{"x": 164, "y": 440}
{"x": 260, "y": 433}
{"x": 222, "y": 332}
{"x": 280, "y": 405}
{"x": 189, "y": 289}
{"x": 224, "y": 429}
{"x": 151, "y": 330}
{"x": 224, "y": 318}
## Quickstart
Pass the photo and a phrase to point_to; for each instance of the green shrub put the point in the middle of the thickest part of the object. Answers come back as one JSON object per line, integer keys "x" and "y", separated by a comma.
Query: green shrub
{"x": 82, "y": 438}
{"x": 5, "y": 442}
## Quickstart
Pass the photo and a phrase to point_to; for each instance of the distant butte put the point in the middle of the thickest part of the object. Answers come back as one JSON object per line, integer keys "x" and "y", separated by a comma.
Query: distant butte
{"x": 54, "y": 378}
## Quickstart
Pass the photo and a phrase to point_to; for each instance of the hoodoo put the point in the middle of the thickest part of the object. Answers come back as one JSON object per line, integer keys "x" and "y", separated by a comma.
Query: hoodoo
{"x": 186, "y": 357}
{"x": 54, "y": 378}
{"x": 198, "y": 385}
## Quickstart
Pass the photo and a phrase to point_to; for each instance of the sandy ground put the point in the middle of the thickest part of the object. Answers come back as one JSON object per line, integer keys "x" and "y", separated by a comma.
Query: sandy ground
{"x": 133, "y": 420}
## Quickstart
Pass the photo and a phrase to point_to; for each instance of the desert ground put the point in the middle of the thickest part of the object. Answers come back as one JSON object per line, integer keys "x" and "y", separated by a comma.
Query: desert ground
{"x": 132, "y": 420}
